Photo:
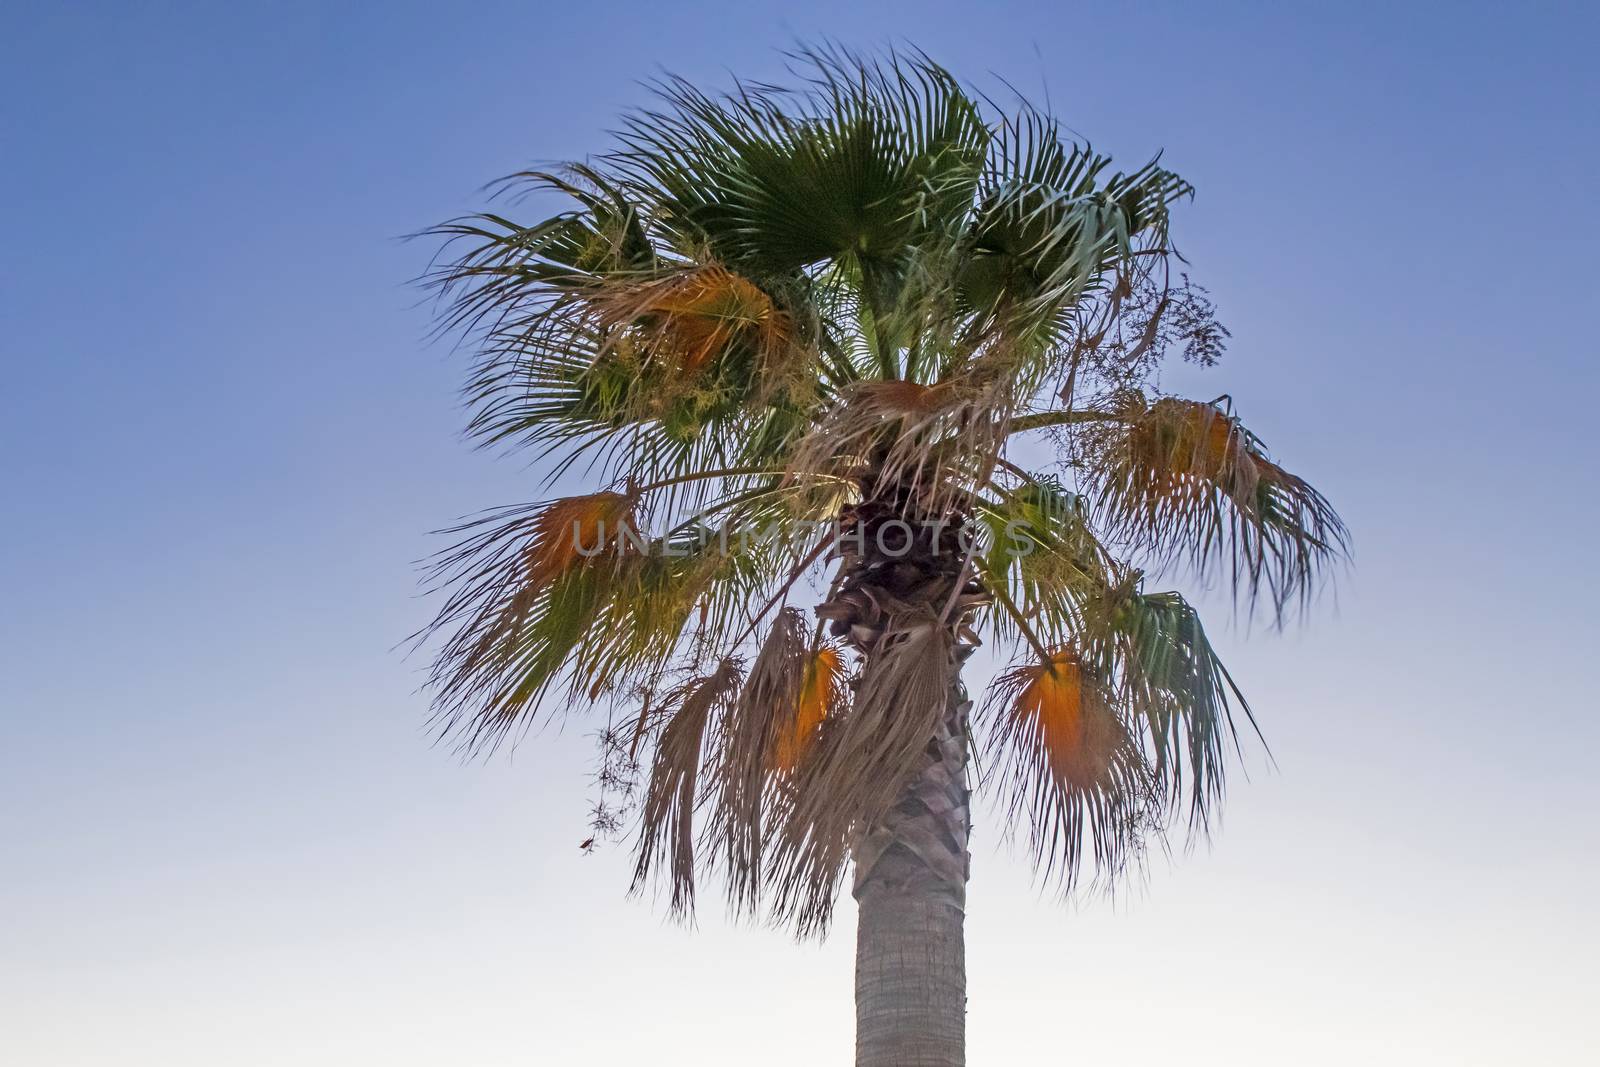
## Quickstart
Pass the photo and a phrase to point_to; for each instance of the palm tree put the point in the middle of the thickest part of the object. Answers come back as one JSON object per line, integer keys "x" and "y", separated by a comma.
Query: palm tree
{"x": 796, "y": 340}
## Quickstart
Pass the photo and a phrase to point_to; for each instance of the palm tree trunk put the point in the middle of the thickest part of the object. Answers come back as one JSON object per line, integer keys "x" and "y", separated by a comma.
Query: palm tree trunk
{"x": 911, "y": 887}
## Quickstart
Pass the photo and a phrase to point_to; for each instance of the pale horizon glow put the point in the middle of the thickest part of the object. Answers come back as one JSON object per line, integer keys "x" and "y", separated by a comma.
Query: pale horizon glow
{"x": 226, "y": 837}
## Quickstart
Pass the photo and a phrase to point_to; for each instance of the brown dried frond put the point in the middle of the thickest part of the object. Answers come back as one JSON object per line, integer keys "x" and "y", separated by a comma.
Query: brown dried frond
{"x": 741, "y": 767}
{"x": 927, "y": 444}
{"x": 858, "y": 766}
{"x": 898, "y": 398}
{"x": 850, "y": 439}
{"x": 666, "y": 819}
{"x": 1183, "y": 448}
{"x": 1189, "y": 481}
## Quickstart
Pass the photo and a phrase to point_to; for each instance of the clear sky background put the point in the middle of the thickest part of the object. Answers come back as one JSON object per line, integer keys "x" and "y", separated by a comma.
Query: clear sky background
{"x": 224, "y": 836}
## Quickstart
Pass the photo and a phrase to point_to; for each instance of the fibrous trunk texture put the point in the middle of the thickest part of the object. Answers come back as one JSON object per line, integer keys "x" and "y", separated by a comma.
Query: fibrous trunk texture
{"x": 910, "y": 886}
{"x": 911, "y": 861}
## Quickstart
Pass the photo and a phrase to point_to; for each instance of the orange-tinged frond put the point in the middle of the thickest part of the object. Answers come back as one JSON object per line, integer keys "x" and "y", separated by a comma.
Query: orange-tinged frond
{"x": 818, "y": 694}
{"x": 711, "y": 307}
{"x": 691, "y": 318}
{"x": 1078, "y": 731}
{"x": 1067, "y": 767}
{"x": 1191, "y": 484}
{"x": 1185, "y": 446}
{"x": 575, "y": 529}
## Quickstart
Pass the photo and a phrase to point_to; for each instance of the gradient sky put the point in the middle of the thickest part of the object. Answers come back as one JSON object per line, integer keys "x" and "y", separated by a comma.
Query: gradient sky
{"x": 224, "y": 836}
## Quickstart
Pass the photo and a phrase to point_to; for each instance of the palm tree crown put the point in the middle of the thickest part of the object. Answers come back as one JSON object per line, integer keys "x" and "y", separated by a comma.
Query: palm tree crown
{"x": 837, "y": 310}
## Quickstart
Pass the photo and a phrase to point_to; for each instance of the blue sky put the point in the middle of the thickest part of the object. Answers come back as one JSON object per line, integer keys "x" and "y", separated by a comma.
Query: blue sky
{"x": 225, "y": 837}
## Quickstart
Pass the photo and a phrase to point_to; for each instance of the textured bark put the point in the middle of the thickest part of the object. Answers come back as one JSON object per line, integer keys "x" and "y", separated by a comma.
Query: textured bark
{"x": 911, "y": 865}
{"x": 910, "y": 886}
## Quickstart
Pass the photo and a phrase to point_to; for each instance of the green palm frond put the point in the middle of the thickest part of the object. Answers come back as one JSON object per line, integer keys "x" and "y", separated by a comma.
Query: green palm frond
{"x": 1042, "y": 554}
{"x": 1177, "y": 697}
{"x": 864, "y": 163}
{"x": 1049, "y": 228}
